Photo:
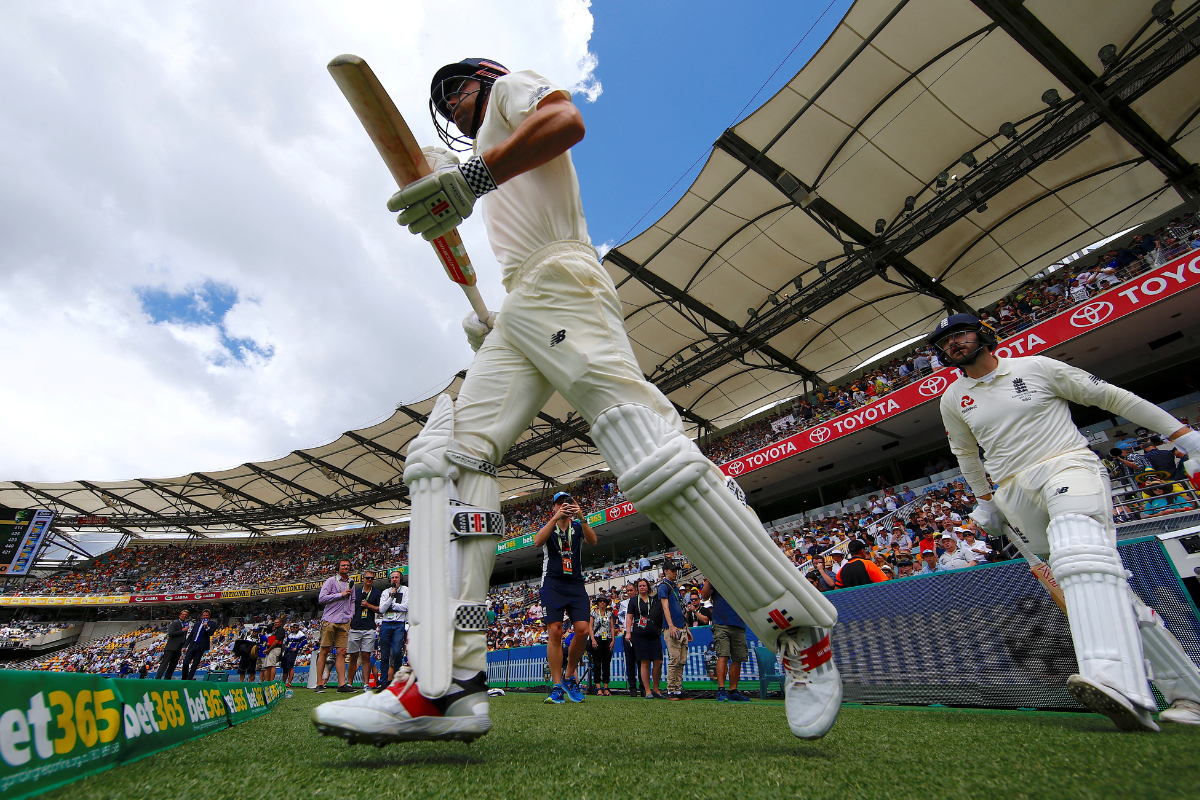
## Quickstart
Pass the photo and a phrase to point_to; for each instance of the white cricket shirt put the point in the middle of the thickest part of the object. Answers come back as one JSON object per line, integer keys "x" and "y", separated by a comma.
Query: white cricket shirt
{"x": 538, "y": 207}
{"x": 1019, "y": 415}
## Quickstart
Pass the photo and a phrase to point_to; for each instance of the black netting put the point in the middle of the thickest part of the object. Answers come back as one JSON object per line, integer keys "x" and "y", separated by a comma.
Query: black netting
{"x": 988, "y": 637}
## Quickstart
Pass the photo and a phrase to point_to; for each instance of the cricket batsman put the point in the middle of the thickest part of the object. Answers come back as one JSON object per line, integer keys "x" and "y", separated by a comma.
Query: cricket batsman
{"x": 560, "y": 328}
{"x": 1055, "y": 492}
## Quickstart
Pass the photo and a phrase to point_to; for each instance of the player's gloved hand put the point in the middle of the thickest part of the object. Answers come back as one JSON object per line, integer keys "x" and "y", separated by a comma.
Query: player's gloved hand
{"x": 438, "y": 157}
{"x": 476, "y": 330}
{"x": 1190, "y": 444}
{"x": 988, "y": 516}
{"x": 437, "y": 204}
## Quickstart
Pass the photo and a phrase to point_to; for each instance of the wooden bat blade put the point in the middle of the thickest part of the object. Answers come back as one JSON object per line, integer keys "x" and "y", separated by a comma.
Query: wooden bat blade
{"x": 402, "y": 155}
{"x": 380, "y": 117}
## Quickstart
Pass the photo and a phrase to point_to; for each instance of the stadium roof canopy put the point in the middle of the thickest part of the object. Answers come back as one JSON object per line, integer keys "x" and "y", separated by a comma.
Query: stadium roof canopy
{"x": 931, "y": 156}
{"x": 818, "y": 233}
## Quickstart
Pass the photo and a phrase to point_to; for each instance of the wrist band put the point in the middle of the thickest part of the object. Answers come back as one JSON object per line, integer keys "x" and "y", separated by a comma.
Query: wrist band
{"x": 478, "y": 176}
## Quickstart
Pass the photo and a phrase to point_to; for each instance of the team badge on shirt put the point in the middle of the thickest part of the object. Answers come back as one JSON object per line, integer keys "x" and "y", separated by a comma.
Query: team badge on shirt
{"x": 1023, "y": 394}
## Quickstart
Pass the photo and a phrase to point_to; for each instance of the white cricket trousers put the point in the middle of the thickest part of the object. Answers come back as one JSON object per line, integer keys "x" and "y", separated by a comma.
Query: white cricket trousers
{"x": 560, "y": 328}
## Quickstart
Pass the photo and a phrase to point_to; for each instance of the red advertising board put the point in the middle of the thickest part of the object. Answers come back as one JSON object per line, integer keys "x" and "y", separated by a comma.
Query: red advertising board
{"x": 1133, "y": 295}
{"x": 173, "y": 598}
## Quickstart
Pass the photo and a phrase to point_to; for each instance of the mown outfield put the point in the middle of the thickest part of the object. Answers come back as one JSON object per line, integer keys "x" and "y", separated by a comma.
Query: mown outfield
{"x": 617, "y": 747}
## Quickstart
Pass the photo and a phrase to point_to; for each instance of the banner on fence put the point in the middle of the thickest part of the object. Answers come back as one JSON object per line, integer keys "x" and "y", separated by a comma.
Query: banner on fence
{"x": 58, "y": 727}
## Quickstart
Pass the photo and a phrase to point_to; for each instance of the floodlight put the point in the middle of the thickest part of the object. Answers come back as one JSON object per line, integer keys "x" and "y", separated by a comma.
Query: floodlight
{"x": 1050, "y": 97}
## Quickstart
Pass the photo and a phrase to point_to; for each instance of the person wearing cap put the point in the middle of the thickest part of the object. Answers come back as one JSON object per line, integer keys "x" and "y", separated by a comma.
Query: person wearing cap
{"x": 953, "y": 558}
{"x": 839, "y": 559}
{"x": 973, "y": 547}
{"x": 677, "y": 633}
{"x": 859, "y": 570}
{"x": 562, "y": 540}
{"x": 929, "y": 562}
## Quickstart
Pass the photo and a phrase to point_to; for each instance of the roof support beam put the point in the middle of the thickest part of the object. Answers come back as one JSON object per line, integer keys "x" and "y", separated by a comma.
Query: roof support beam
{"x": 684, "y": 299}
{"x": 322, "y": 463}
{"x": 1037, "y": 40}
{"x": 251, "y": 498}
{"x": 376, "y": 446}
{"x": 80, "y": 511}
{"x": 232, "y": 521}
{"x": 802, "y": 195}
{"x": 166, "y": 522}
{"x": 272, "y": 476}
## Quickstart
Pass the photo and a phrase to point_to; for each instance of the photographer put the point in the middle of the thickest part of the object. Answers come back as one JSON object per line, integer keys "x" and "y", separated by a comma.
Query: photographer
{"x": 677, "y": 633}
{"x": 393, "y": 608}
{"x": 293, "y": 644}
{"x": 337, "y": 609}
{"x": 561, "y": 540}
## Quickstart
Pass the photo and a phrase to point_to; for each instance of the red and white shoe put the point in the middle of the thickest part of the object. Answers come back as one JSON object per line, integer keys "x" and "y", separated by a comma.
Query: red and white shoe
{"x": 400, "y": 713}
{"x": 812, "y": 687}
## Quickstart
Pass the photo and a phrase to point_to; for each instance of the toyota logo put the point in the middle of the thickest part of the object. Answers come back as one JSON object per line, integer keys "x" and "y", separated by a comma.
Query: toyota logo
{"x": 931, "y": 387}
{"x": 819, "y": 435}
{"x": 1091, "y": 314}
{"x": 737, "y": 468}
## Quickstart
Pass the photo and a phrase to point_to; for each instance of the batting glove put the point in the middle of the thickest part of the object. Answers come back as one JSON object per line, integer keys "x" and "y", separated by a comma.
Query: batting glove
{"x": 438, "y": 203}
{"x": 476, "y": 330}
{"x": 1190, "y": 444}
{"x": 988, "y": 516}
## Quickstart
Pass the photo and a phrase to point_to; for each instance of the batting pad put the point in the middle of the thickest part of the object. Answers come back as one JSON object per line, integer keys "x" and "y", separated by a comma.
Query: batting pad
{"x": 1174, "y": 673}
{"x": 668, "y": 479}
{"x": 439, "y": 529}
{"x": 1104, "y": 627}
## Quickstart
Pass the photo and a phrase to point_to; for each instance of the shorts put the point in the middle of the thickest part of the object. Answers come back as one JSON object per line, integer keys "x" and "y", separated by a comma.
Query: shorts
{"x": 271, "y": 659}
{"x": 335, "y": 634}
{"x": 730, "y": 642}
{"x": 246, "y": 664}
{"x": 258, "y": 664}
{"x": 571, "y": 598}
{"x": 289, "y": 659}
{"x": 361, "y": 642}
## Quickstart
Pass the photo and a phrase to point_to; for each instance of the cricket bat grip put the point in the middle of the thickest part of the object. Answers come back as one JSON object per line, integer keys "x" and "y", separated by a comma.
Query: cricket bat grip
{"x": 476, "y": 300}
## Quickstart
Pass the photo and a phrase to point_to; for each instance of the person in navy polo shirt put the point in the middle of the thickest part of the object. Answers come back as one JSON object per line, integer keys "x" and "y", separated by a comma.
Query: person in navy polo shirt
{"x": 561, "y": 540}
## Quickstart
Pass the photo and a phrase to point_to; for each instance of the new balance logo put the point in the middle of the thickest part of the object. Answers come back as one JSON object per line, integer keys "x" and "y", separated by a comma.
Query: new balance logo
{"x": 1063, "y": 490}
{"x": 558, "y": 338}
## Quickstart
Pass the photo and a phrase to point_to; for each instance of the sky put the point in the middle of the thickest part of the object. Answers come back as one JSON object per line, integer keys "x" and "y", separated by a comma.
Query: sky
{"x": 196, "y": 265}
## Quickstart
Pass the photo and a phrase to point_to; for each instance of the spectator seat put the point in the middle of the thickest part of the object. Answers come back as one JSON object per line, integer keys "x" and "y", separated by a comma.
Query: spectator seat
{"x": 766, "y": 671}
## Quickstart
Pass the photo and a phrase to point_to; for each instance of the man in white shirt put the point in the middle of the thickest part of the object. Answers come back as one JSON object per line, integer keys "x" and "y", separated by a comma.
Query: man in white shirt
{"x": 953, "y": 558}
{"x": 1056, "y": 494}
{"x": 560, "y": 328}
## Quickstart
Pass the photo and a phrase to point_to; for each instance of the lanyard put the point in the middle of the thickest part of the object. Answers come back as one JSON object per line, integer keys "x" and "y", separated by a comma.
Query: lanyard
{"x": 565, "y": 539}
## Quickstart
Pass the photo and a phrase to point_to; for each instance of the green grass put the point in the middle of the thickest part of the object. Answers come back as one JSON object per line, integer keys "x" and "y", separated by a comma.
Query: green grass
{"x": 623, "y": 748}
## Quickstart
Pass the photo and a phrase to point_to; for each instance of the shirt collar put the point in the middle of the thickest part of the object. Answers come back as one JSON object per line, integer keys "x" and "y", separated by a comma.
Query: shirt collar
{"x": 1003, "y": 369}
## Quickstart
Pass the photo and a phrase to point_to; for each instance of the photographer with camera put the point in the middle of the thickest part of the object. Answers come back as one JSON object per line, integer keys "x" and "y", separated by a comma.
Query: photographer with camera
{"x": 677, "y": 633}
{"x": 561, "y": 540}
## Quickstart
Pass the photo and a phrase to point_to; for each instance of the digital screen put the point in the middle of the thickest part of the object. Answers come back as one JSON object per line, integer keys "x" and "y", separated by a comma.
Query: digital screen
{"x": 23, "y": 531}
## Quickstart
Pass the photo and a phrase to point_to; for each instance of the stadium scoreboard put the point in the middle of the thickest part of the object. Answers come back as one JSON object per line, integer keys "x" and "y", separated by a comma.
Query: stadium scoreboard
{"x": 23, "y": 531}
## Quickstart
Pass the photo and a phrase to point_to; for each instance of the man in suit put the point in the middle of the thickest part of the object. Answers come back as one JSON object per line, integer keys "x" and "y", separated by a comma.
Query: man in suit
{"x": 198, "y": 636}
{"x": 170, "y": 657}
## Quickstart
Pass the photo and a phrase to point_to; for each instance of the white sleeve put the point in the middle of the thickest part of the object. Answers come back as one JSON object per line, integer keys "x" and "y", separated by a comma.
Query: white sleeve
{"x": 1086, "y": 389}
{"x": 385, "y": 603}
{"x": 402, "y": 606}
{"x": 965, "y": 448}
{"x": 517, "y": 95}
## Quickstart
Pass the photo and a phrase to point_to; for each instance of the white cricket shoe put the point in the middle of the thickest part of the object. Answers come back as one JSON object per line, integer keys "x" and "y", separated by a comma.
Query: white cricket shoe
{"x": 812, "y": 687}
{"x": 400, "y": 713}
{"x": 1102, "y": 699}
{"x": 1186, "y": 712}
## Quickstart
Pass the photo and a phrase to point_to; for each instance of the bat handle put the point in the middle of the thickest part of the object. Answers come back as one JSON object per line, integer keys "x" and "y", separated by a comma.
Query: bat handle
{"x": 481, "y": 309}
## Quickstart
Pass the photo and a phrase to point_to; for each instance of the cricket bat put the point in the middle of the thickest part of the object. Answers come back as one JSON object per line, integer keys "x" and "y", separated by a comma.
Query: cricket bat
{"x": 403, "y": 157}
{"x": 1040, "y": 569}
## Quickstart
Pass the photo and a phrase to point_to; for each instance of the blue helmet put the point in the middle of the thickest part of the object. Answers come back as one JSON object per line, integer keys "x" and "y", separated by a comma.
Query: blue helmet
{"x": 962, "y": 322}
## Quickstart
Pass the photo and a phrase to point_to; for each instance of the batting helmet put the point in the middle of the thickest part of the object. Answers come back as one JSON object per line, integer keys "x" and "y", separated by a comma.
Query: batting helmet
{"x": 444, "y": 90}
{"x": 962, "y": 322}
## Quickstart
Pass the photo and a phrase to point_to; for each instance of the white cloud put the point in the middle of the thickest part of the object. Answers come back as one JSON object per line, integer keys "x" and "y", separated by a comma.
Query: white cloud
{"x": 163, "y": 146}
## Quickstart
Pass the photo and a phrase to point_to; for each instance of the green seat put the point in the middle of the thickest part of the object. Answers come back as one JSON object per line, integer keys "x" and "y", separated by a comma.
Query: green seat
{"x": 766, "y": 671}
{"x": 217, "y": 676}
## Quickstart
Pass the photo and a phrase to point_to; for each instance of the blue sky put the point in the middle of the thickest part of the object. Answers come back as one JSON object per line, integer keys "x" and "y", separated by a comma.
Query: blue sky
{"x": 675, "y": 76}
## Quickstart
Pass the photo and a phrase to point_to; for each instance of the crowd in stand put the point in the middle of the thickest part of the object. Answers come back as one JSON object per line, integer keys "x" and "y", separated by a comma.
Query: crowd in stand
{"x": 16, "y": 634}
{"x": 116, "y": 654}
{"x": 203, "y": 567}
